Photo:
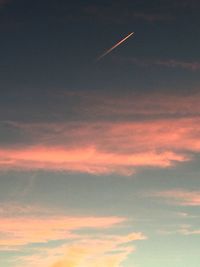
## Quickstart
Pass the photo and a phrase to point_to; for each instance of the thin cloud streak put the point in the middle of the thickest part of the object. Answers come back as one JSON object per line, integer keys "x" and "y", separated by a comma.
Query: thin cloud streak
{"x": 169, "y": 63}
{"x": 180, "y": 197}
{"x": 188, "y": 230}
{"x": 115, "y": 46}
{"x": 23, "y": 230}
{"x": 85, "y": 160}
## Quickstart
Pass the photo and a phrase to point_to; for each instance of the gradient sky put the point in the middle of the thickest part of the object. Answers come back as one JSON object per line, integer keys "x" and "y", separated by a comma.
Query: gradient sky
{"x": 99, "y": 160}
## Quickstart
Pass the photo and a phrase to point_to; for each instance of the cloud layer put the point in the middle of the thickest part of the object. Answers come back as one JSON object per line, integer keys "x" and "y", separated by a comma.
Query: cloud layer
{"x": 125, "y": 134}
{"x": 64, "y": 244}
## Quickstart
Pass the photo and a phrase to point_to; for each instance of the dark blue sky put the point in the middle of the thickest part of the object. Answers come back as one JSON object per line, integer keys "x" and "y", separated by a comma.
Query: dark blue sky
{"x": 48, "y": 44}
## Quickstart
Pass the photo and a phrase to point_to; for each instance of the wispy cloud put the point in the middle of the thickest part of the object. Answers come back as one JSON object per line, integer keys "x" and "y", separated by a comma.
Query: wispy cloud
{"x": 125, "y": 11}
{"x": 100, "y": 252}
{"x": 90, "y": 251}
{"x": 20, "y": 231}
{"x": 102, "y": 106}
{"x": 180, "y": 197}
{"x": 96, "y": 251}
{"x": 188, "y": 230}
{"x": 131, "y": 106}
{"x": 184, "y": 229}
{"x": 169, "y": 63}
{"x": 30, "y": 226}
{"x": 85, "y": 159}
{"x": 121, "y": 14}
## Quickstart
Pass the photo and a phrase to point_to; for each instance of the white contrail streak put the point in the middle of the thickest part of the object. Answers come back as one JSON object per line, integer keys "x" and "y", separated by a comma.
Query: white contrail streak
{"x": 116, "y": 45}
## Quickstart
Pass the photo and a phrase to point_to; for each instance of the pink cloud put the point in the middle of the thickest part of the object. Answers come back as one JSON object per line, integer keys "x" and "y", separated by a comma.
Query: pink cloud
{"x": 117, "y": 144}
{"x": 85, "y": 159}
{"x": 181, "y": 197}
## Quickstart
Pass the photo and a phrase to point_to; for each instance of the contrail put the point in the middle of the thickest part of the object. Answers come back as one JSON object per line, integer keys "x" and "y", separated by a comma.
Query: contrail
{"x": 113, "y": 47}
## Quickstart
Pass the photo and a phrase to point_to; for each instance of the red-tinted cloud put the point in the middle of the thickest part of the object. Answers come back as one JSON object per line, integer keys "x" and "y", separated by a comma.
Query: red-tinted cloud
{"x": 85, "y": 159}
{"x": 125, "y": 134}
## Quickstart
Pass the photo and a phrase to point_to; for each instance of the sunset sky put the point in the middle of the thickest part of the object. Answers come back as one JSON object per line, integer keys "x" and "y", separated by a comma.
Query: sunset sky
{"x": 99, "y": 159}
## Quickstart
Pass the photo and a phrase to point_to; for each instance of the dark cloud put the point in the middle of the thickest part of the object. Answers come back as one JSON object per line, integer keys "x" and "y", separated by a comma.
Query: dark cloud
{"x": 11, "y": 135}
{"x": 127, "y": 11}
{"x": 4, "y": 2}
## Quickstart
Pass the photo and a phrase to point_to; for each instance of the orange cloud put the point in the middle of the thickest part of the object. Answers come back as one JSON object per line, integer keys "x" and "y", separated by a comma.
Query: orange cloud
{"x": 25, "y": 230}
{"x": 83, "y": 257}
{"x": 89, "y": 251}
{"x": 95, "y": 248}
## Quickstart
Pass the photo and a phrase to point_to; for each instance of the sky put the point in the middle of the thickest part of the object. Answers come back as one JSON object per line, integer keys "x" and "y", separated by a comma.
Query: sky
{"x": 99, "y": 156}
